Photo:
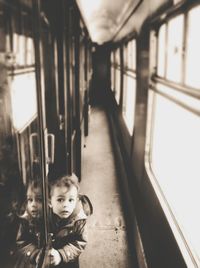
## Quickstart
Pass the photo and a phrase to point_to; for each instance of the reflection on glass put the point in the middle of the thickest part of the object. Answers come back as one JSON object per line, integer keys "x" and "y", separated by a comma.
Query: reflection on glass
{"x": 19, "y": 158}
{"x": 23, "y": 99}
{"x": 193, "y": 51}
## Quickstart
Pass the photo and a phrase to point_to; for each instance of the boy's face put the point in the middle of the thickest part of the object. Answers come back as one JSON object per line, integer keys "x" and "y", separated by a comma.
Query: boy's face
{"x": 63, "y": 200}
{"x": 34, "y": 202}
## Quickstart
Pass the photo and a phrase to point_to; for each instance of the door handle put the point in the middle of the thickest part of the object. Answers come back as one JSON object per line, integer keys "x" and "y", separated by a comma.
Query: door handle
{"x": 49, "y": 148}
{"x": 34, "y": 148}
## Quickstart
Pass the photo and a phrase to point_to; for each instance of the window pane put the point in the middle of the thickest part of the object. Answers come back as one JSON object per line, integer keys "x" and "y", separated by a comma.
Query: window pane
{"x": 125, "y": 56}
{"x": 112, "y": 71}
{"x": 21, "y": 51}
{"x": 175, "y": 49}
{"x": 175, "y": 152}
{"x": 161, "y": 50}
{"x": 117, "y": 85}
{"x": 112, "y": 78}
{"x": 129, "y": 95}
{"x": 30, "y": 51}
{"x": 193, "y": 51}
{"x": 23, "y": 99}
{"x": 132, "y": 55}
{"x": 117, "y": 56}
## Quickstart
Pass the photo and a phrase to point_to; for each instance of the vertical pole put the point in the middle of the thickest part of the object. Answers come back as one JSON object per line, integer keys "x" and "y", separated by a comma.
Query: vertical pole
{"x": 41, "y": 113}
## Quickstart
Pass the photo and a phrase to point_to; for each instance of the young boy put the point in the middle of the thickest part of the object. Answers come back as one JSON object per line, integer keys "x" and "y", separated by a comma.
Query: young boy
{"x": 69, "y": 215}
{"x": 28, "y": 236}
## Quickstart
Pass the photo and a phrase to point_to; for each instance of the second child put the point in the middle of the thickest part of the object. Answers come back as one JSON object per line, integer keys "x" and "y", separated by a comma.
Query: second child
{"x": 68, "y": 225}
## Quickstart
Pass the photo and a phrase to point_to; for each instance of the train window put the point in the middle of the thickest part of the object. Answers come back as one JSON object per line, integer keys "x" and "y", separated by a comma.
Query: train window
{"x": 129, "y": 88}
{"x": 193, "y": 45}
{"x": 175, "y": 48}
{"x": 15, "y": 44}
{"x": 177, "y": 175}
{"x": 117, "y": 85}
{"x": 23, "y": 100}
{"x": 161, "y": 50}
{"x": 30, "y": 51}
{"x": 132, "y": 55}
{"x": 112, "y": 70}
{"x": 129, "y": 102}
{"x": 21, "y": 52}
{"x": 117, "y": 76}
{"x": 175, "y": 130}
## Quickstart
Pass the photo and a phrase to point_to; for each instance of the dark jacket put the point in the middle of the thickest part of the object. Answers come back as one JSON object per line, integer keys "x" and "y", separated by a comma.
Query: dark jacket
{"x": 68, "y": 236}
{"x": 28, "y": 243}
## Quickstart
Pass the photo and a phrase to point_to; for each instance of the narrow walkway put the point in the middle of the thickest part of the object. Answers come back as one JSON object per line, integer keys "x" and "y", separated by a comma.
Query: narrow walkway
{"x": 107, "y": 246}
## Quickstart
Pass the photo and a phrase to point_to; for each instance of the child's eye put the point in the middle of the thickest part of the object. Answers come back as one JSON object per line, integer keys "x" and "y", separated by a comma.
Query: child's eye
{"x": 39, "y": 200}
{"x": 30, "y": 199}
{"x": 60, "y": 200}
{"x": 71, "y": 200}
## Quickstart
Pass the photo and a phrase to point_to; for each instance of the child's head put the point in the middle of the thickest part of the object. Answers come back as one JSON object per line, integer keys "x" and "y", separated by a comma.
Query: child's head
{"x": 34, "y": 199}
{"x": 64, "y": 195}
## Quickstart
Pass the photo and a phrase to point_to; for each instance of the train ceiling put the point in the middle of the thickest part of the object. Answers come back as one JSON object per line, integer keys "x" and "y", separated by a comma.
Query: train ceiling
{"x": 111, "y": 20}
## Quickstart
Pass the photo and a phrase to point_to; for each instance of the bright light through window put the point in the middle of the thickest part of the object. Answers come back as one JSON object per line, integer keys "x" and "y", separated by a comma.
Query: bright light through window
{"x": 175, "y": 163}
{"x": 23, "y": 99}
{"x": 21, "y": 51}
{"x": 30, "y": 51}
{"x": 117, "y": 85}
{"x": 175, "y": 48}
{"x": 129, "y": 102}
{"x": 112, "y": 78}
{"x": 112, "y": 71}
{"x": 161, "y": 50}
{"x": 193, "y": 51}
{"x": 131, "y": 55}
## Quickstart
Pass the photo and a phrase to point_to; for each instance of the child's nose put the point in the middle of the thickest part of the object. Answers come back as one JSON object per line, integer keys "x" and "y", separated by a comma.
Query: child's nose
{"x": 34, "y": 203}
{"x": 66, "y": 204}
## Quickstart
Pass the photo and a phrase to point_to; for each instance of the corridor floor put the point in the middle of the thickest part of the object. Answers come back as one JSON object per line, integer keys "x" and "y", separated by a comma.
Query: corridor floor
{"x": 107, "y": 246}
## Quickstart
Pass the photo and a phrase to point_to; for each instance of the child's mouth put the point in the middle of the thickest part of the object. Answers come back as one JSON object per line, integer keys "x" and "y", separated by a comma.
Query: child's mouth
{"x": 34, "y": 213}
{"x": 65, "y": 212}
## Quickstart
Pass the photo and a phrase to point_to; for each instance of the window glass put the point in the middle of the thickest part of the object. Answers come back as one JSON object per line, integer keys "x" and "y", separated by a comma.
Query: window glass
{"x": 30, "y": 51}
{"x": 112, "y": 78}
{"x": 193, "y": 51}
{"x": 117, "y": 56}
{"x": 125, "y": 56}
{"x": 175, "y": 48}
{"x": 112, "y": 71}
{"x": 21, "y": 51}
{"x": 132, "y": 55}
{"x": 16, "y": 45}
{"x": 117, "y": 85}
{"x": 175, "y": 154}
{"x": 161, "y": 50}
{"x": 129, "y": 94}
{"x": 23, "y": 100}
{"x": 175, "y": 128}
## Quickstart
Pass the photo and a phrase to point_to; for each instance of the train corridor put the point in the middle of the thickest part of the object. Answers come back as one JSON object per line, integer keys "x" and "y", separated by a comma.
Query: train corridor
{"x": 108, "y": 246}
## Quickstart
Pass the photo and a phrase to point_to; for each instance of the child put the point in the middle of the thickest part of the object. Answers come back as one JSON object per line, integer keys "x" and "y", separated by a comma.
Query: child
{"x": 28, "y": 236}
{"x": 69, "y": 215}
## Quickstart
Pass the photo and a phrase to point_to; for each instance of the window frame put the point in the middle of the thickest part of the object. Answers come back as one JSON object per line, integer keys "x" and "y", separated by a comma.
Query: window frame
{"x": 179, "y": 87}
